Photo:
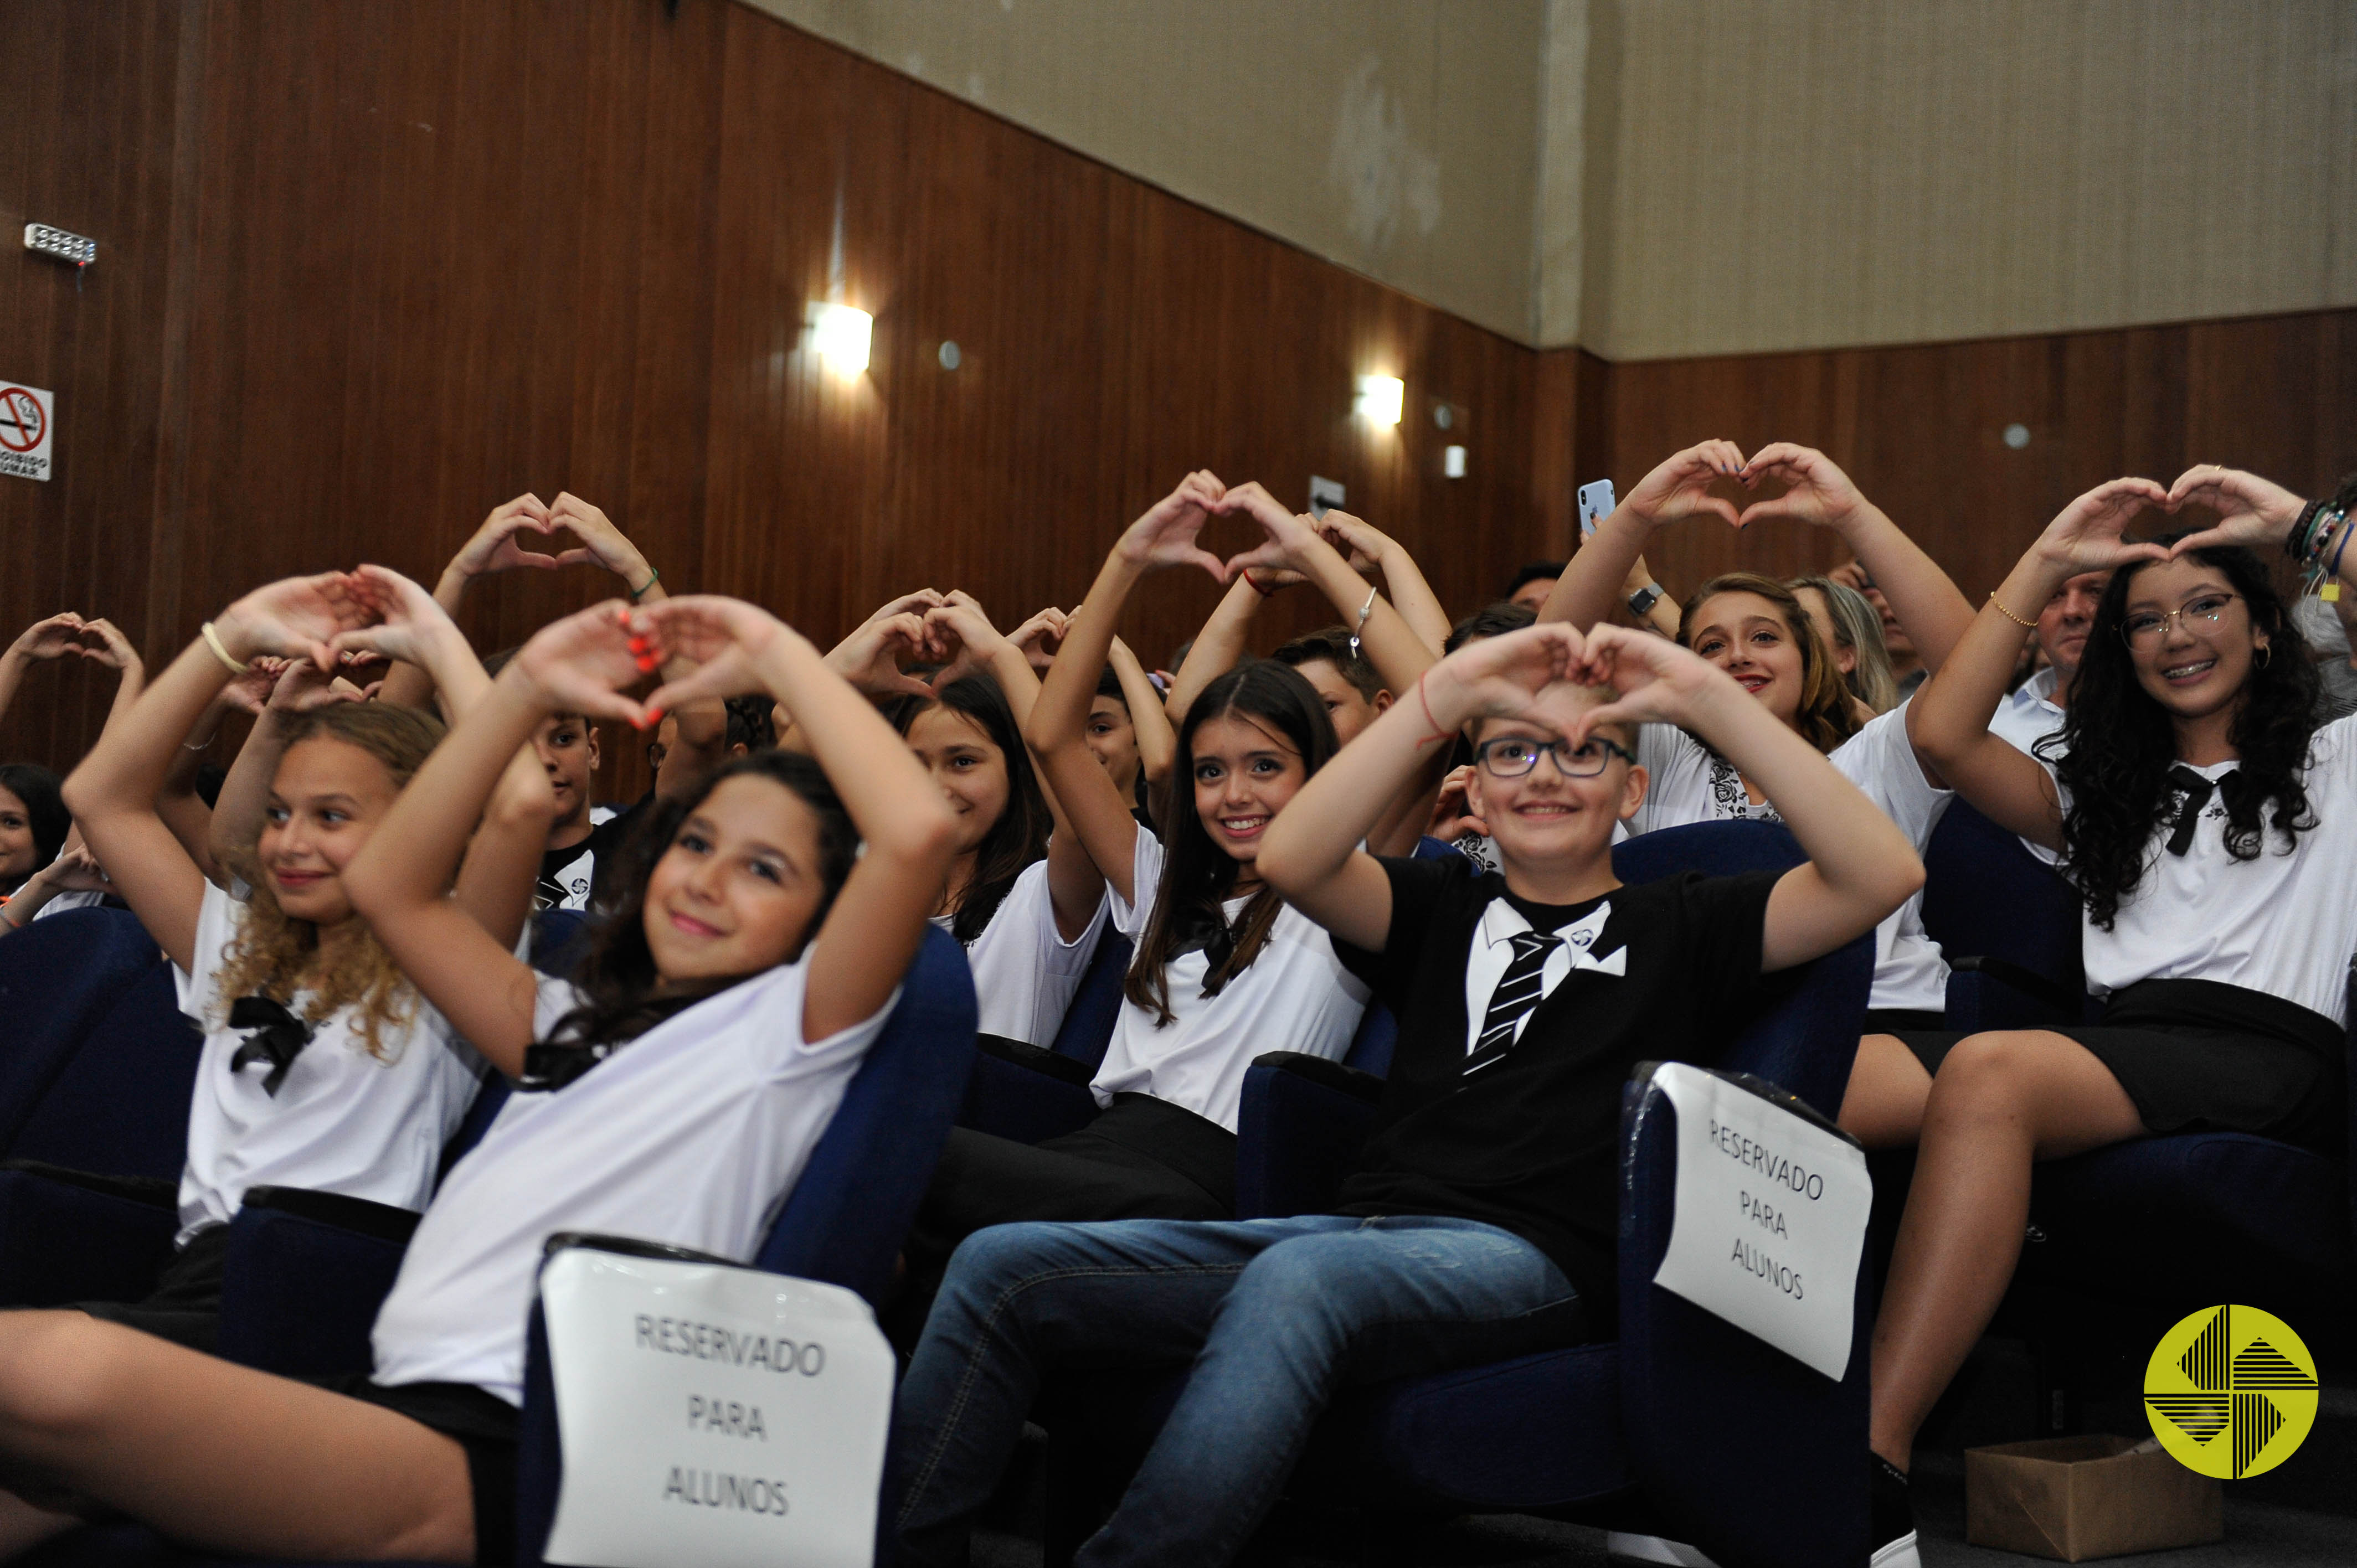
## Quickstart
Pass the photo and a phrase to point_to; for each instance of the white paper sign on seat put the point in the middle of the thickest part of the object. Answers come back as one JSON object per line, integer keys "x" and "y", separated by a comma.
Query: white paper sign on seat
{"x": 713, "y": 1416}
{"x": 1770, "y": 1222}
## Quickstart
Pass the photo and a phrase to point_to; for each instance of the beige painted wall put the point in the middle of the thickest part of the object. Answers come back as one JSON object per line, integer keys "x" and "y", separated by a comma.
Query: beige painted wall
{"x": 1665, "y": 178}
{"x": 1822, "y": 173}
{"x": 1393, "y": 137}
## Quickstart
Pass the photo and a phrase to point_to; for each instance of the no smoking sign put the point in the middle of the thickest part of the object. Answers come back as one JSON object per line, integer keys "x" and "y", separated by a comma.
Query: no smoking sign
{"x": 27, "y": 420}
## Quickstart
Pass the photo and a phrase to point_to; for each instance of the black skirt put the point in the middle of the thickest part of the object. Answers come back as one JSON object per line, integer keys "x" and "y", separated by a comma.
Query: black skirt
{"x": 2199, "y": 1057}
{"x": 482, "y": 1424}
{"x": 185, "y": 1306}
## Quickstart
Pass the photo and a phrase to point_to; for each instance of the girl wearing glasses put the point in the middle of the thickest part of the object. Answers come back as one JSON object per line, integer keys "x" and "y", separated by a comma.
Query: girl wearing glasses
{"x": 2208, "y": 824}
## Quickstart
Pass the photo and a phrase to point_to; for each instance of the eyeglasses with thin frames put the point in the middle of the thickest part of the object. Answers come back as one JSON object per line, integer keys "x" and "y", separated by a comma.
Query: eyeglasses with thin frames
{"x": 1512, "y": 756}
{"x": 2199, "y": 614}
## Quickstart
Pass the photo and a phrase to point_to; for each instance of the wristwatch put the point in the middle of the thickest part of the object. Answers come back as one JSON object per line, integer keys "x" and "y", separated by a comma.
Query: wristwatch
{"x": 1642, "y": 601}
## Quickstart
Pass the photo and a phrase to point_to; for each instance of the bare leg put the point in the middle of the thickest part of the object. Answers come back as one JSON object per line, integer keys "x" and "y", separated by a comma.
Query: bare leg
{"x": 222, "y": 1456}
{"x": 1883, "y": 1107}
{"x": 2002, "y": 1103}
{"x": 23, "y": 1526}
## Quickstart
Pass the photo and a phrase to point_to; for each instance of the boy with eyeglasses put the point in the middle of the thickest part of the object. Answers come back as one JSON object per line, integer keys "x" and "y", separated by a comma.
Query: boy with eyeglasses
{"x": 1479, "y": 1225}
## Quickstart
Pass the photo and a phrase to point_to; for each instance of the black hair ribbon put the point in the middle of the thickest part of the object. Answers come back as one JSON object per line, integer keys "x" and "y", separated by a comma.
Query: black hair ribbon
{"x": 278, "y": 1037}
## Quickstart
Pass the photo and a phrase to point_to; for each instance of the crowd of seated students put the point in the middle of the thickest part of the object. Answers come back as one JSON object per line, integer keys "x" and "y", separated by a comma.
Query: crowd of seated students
{"x": 348, "y": 910}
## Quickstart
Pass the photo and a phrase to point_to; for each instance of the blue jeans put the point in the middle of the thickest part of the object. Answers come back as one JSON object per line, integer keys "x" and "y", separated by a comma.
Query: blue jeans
{"x": 1276, "y": 1314}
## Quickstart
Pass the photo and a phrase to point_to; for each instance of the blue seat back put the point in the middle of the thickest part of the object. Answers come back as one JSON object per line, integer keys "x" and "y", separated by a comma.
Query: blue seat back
{"x": 1785, "y": 1487}
{"x": 850, "y": 1207}
{"x": 1985, "y": 895}
{"x": 1086, "y": 1032}
{"x": 1370, "y": 1048}
{"x": 1804, "y": 1036}
{"x": 100, "y": 1063}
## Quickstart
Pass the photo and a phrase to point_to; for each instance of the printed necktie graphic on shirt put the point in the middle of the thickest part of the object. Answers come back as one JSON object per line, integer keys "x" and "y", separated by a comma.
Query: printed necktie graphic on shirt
{"x": 2232, "y": 1391}
{"x": 1522, "y": 986}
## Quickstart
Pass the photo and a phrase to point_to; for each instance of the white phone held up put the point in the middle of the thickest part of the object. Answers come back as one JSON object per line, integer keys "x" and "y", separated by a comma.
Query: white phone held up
{"x": 1595, "y": 504}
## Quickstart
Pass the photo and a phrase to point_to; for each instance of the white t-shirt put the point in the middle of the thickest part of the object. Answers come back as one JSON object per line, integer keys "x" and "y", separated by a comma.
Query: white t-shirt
{"x": 1295, "y": 996}
{"x": 2027, "y": 717}
{"x": 1024, "y": 972}
{"x": 1909, "y": 975}
{"x": 2284, "y": 924}
{"x": 342, "y": 1120}
{"x": 692, "y": 1135}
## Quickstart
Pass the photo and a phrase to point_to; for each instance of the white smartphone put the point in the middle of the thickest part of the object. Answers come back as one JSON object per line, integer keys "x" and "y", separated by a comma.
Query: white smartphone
{"x": 1595, "y": 504}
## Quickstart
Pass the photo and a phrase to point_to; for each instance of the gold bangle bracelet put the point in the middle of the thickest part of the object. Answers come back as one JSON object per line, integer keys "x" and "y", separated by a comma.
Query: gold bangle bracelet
{"x": 2025, "y": 624}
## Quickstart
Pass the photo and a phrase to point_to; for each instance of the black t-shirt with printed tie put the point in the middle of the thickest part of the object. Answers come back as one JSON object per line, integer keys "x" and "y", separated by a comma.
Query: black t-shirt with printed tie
{"x": 579, "y": 876}
{"x": 1528, "y": 1140}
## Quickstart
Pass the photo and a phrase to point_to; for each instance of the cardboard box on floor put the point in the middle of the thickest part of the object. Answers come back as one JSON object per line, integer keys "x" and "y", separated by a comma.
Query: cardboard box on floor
{"x": 2072, "y": 1499}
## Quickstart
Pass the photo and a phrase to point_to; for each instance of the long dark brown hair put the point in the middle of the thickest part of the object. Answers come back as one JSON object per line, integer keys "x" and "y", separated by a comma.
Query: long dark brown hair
{"x": 1197, "y": 876}
{"x": 1019, "y": 836}
{"x": 622, "y": 994}
{"x": 2117, "y": 744}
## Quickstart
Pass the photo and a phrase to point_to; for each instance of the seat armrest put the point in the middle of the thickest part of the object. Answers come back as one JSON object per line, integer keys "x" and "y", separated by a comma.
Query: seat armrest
{"x": 1302, "y": 1123}
{"x": 305, "y": 1275}
{"x": 69, "y": 1236}
{"x": 1024, "y": 1093}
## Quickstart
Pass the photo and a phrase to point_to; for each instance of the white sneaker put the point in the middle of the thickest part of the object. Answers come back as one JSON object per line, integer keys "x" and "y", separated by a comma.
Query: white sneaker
{"x": 1624, "y": 1547}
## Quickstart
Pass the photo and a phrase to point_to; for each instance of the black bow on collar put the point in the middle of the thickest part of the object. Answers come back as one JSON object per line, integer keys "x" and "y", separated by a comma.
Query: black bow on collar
{"x": 278, "y": 1037}
{"x": 2196, "y": 791}
{"x": 551, "y": 1068}
{"x": 1208, "y": 931}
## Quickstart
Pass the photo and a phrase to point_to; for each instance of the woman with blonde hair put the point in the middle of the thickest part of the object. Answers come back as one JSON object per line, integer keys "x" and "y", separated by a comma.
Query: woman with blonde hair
{"x": 1854, "y": 631}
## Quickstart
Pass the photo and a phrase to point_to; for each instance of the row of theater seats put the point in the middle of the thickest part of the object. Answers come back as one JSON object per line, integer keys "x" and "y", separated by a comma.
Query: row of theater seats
{"x": 1660, "y": 1429}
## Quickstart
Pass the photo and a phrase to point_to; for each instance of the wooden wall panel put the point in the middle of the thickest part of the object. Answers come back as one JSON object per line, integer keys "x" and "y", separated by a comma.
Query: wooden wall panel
{"x": 1921, "y": 428}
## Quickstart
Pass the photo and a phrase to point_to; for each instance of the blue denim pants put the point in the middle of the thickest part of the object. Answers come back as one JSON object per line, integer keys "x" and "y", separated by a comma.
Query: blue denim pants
{"x": 1275, "y": 1315}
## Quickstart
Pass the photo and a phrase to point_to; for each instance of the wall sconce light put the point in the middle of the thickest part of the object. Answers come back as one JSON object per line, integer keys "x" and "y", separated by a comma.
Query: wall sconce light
{"x": 841, "y": 334}
{"x": 1379, "y": 399}
{"x": 1452, "y": 462}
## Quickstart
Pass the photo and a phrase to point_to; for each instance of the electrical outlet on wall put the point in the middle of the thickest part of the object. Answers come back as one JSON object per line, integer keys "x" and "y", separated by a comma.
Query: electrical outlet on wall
{"x": 1323, "y": 493}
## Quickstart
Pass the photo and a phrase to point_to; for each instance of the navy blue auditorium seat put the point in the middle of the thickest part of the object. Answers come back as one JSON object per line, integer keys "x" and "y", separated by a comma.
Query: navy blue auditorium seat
{"x": 1635, "y": 1432}
{"x": 2126, "y": 1241}
{"x": 94, "y": 1090}
{"x": 842, "y": 1224}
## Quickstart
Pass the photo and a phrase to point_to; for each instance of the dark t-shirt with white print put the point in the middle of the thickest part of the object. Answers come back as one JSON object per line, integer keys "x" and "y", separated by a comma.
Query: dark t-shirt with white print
{"x": 1531, "y": 1142}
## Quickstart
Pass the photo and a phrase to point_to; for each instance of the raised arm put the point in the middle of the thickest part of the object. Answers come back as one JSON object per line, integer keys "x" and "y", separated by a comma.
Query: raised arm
{"x": 1158, "y": 743}
{"x": 112, "y": 793}
{"x": 1370, "y": 549}
{"x": 1921, "y": 596}
{"x": 1392, "y": 646}
{"x": 1948, "y": 720}
{"x": 54, "y": 637}
{"x": 1677, "y": 489}
{"x": 115, "y": 651}
{"x": 503, "y": 858}
{"x": 402, "y": 878}
{"x": 1223, "y": 639}
{"x": 1860, "y": 867}
{"x": 491, "y": 550}
{"x": 860, "y": 955}
{"x": 1163, "y": 536}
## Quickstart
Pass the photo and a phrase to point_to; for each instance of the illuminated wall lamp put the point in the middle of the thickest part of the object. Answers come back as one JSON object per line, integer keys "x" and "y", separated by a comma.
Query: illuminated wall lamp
{"x": 841, "y": 334}
{"x": 1379, "y": 399}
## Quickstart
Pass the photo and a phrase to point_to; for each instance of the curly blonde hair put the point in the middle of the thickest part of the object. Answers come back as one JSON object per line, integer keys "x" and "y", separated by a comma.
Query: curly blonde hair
{"x": 277, "y": 955}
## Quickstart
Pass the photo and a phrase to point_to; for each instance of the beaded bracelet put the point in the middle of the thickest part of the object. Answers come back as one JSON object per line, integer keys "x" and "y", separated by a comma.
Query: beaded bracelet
{"x": 2025, "y": 624}
{"x": 2296, "y": 541}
